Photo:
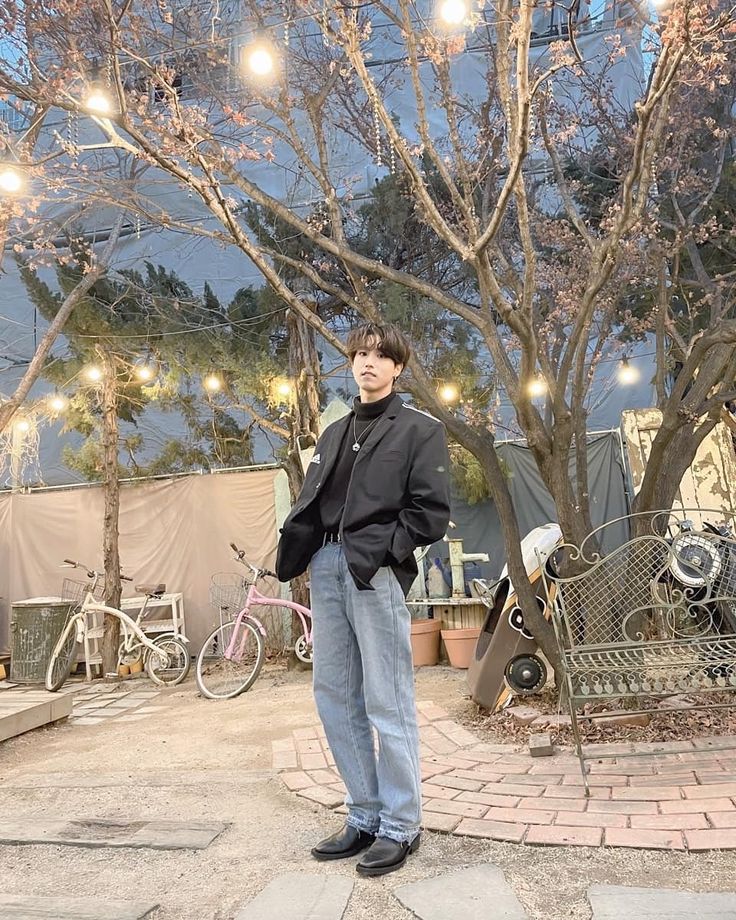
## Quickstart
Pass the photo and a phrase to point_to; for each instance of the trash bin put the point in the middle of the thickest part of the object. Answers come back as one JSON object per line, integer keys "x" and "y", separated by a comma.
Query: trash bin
{"x": 35, "y": 627}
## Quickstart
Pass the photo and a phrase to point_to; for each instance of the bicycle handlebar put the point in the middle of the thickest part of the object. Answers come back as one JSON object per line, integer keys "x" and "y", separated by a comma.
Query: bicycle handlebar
{"x": 259, "y": 573}
{"x": 92, "y": 572}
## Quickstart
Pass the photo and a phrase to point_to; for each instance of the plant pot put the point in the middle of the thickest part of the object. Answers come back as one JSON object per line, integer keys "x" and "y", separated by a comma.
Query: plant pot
{"x": 425, "y": 642}
{"x": 460, "y": 645}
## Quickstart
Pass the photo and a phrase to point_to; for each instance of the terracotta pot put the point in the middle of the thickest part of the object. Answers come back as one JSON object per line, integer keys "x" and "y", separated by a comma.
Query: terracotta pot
{"x": 425, "y": 642}
{"x": 460, "y": 645}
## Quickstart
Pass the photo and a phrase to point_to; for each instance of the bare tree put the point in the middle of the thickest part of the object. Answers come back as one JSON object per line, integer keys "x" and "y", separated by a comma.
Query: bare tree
{"x": 544, "y": 287}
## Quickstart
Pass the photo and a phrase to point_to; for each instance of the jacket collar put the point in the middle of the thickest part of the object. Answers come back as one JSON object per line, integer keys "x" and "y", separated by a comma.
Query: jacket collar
{"x": 382, "y": 426}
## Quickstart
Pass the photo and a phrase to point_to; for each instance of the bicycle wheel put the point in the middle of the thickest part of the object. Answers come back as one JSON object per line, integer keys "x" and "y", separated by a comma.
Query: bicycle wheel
{"x": 177, "y": 666}
{"x": 304, "y": 650}
{"x": 220, "y": 677}
{"x": 63, "y": 657}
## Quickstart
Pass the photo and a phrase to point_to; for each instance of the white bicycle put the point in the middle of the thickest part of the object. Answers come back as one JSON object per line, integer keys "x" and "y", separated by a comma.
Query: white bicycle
{"x": 166, "y": 658}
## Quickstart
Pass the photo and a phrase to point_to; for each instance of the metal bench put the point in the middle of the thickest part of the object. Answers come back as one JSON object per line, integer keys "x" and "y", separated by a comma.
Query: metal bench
{"x": 652, "y": 618}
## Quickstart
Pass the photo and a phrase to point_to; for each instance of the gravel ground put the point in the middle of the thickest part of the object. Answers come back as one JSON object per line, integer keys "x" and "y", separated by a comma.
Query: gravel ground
{"x": 199, "y": 759}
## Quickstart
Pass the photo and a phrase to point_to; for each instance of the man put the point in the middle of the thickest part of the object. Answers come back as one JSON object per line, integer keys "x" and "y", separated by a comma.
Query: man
{"x": 376, "y": 488}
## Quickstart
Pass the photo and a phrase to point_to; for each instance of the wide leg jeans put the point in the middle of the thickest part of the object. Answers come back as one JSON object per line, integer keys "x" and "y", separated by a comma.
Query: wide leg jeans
{"x": 364, "y": 684}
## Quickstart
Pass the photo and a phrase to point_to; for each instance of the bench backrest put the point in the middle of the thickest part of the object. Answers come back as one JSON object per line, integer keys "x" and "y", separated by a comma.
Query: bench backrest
{"x": 650, "y": 588}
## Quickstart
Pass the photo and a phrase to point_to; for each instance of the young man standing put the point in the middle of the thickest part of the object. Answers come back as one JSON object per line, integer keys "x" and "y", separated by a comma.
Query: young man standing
{"x": 376, "y": 488}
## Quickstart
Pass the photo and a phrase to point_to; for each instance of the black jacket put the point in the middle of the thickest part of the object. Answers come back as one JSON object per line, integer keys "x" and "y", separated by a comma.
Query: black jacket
{"x": 398, "y": 497}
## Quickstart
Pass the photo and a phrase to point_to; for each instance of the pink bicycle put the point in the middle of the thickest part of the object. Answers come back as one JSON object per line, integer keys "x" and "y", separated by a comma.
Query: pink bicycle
{"x": 232, "y": 655}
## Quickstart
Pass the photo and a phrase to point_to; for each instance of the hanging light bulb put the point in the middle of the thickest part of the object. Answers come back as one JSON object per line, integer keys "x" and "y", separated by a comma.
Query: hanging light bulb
{"x": 93, "y": 373}
{"x": 260, "y": 59}
{"x": 144, "y": 372}
{"x": 449, "y": 393}
{"x": 11, "y": 180}
{"x": 22, "y": 425}
{"x": 58, "y": 403}
{"x": 212, "y": 383}
{"x": 284, "y": 388}
{"x": 627, "y": 373}
{"x": 98, "y": 102}
{"x": 536, "y": 387}
{"x": 453, "y": 12}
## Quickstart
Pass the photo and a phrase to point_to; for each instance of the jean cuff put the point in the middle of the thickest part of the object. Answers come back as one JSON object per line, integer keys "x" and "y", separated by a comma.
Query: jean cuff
{"x": 398, "y": 834}
{"x": 361, "y": 824}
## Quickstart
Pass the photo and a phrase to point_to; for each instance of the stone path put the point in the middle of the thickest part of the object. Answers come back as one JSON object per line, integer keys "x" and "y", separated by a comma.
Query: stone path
{"x": 467, "y": 894}
{"x": 476, "y": 893}
{"x": 128, "y": 701}
{"x": 682, "y": 799}
{"x": 96, "y": 833}
{"x": 300, "y": 896}
{"x": 30, "y": 907}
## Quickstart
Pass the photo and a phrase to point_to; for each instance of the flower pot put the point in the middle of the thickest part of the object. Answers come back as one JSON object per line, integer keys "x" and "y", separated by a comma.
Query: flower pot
{"x": 425, "y": 642}
{"x": 460, "y": 645}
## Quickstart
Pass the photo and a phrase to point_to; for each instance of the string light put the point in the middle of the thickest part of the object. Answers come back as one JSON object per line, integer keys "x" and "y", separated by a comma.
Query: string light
{"x": 11, "y": 180}
{"x": 536, "y": 387}
{"x": 283, "y": 387}
{"x": 259, "y": 59}
{"x": 58, "y": 403}
{"x": 453, "y": 12}
{"x": 93, "y": 373}
{"x": 212, "y": 383}
{"x": 449, "y": 393}
{"x": 22, "y": 425}
{"x": 98, "y": 103}
{"x": 144, "y": 372}
{"x": 627, "y": 373}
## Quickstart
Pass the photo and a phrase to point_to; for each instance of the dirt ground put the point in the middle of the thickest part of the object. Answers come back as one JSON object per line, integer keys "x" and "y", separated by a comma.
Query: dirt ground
{"x": 198, "y": 759}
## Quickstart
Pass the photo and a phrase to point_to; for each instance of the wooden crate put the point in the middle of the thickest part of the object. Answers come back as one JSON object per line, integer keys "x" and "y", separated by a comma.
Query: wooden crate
{"x": 460, "y": 613}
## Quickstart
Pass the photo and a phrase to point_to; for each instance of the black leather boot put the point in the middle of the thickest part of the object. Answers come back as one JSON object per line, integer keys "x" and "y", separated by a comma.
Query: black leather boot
{"x": 386, "y": 856}
{"x": 348, "y": 841}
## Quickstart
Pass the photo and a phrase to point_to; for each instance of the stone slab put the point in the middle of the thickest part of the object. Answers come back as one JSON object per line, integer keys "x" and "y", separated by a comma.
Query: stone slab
{"x": 29, "y": 907}
{"x": 155, "y": 835}
{"x": 613, "y": 902}
{"x": 22, "y": 714}
{"x": 465, "y": 894}
{"x": 162, "y": 778}
{"x": 300, "y": 896}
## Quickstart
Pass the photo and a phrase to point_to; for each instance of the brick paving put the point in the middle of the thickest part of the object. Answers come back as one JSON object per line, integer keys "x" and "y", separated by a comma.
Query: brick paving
{"x": 682, "y": 799}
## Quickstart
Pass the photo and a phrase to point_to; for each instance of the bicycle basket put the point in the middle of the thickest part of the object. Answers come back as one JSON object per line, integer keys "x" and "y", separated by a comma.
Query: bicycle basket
{"x": 228, "y": 591}
{"x": 75, "y": 591}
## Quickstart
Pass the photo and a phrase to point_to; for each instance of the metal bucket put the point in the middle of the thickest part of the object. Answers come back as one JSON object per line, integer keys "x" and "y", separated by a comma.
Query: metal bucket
{"x": 35, "y": 627}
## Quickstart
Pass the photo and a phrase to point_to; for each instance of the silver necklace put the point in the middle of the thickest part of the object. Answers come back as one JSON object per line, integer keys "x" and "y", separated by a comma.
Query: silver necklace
{"x": 356, "y": 439}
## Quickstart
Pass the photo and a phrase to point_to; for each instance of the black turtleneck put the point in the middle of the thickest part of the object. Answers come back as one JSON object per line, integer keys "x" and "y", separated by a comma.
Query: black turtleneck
{"x": 332, "y": 502}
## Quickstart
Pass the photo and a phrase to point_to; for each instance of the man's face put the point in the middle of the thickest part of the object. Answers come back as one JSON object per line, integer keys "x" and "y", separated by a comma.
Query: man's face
{"x": 374, "y": 372}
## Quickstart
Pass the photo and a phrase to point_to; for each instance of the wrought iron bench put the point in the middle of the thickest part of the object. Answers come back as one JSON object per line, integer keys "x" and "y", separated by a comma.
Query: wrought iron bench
{"x": 653, "y": 618}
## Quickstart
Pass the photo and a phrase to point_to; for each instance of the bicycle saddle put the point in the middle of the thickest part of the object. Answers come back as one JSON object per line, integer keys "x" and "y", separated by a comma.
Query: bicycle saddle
{"x": 151, "y": 590}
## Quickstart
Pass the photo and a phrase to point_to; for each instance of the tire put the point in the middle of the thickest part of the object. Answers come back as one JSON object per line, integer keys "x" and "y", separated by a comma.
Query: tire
{"x": 62, "y": 658}
{"x": 219, "y": 678}
{"x": 526, "y": 674}
{"x": 303, "y": 651}
{"x": 178, "y": 665}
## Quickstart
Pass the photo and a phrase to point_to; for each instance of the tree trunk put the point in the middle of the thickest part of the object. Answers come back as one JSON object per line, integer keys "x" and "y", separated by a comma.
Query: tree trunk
{"x": 483, "y": 447}
{"x": 111, "y": 552}
{"x": 304, "y": 371}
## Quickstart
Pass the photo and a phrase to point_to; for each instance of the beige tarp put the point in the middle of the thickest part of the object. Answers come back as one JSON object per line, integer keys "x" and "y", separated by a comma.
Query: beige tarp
{"x": 175, "y": 531}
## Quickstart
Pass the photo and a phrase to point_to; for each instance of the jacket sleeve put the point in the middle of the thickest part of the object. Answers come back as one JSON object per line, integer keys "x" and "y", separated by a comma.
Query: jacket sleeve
{"x": 427, "y": 512}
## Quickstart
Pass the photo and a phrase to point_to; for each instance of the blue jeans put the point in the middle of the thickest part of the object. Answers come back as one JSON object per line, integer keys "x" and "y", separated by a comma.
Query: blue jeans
{"x": 364, "y": 682}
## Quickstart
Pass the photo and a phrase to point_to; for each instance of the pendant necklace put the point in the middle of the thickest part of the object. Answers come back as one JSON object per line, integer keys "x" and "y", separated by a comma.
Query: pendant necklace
{"x": 356, "y": 439}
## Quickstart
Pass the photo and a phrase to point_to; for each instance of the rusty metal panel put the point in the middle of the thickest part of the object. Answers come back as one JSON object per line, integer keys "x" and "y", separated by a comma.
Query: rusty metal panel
{"x": 710, "y": 483}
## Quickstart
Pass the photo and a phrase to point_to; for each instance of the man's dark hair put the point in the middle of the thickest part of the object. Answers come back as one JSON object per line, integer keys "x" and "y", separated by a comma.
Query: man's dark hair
{"x": 389, "y": 338}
